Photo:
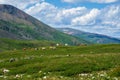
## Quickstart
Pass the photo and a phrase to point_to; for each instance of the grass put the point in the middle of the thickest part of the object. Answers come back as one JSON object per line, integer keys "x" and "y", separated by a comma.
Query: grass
{"x": 63, "y": 63}
{"x": 10, "y": 44}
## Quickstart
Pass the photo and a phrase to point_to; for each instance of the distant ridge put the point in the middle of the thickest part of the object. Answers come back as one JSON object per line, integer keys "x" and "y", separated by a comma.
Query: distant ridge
{"x": 92, "y": 37}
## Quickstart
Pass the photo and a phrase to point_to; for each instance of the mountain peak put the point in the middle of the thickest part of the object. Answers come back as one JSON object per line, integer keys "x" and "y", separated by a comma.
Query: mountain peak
{"x": 5, "y": 5}
{"x": 11, "y": 10}
{"x": 7, "y": 8}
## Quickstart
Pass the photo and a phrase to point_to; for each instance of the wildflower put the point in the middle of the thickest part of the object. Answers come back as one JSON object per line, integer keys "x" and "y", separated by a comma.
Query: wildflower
{"x": 5, "y": 77}
{"x": 1, "y": 76}
{"x": 44, "y": 73}
{"x": 91, "y": 74}
{"x": 83, "y": 74}
{"x": 115, "y": 78}
{"x": 18, "y": 76}
{"x": 40, "y": 72}
{"x": 45, "y": 77}
{"x": 66, "y": 44}
{"x": 48, "y": 72}
{"x": 61, "y": 76}
{"x": 5, "y": 70}
{"x": 93, "y": 77}
{"x": 108, "y": 77}
{"x": 102, "y": 75}
{"x": 43, "y": 48}
{"x": 57, "y": 44}
{"x": 28, "y": 76}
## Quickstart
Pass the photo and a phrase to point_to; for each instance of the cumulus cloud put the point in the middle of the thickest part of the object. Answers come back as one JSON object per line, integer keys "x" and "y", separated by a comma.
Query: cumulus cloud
{"x": 41, "y": 8}
{"x": 95, "y": 1}
{"x": 87, "y": 19}
{"x": 111, "y": 18}
{"x": 44, "y": 11}
{"x": 66, "y": 15}
{"x": 111, "y": 15}
{"x": 50, "y": 14}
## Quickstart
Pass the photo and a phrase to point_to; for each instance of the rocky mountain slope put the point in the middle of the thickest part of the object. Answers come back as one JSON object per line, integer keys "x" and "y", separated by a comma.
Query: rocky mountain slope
{"x": 16, "y": 24}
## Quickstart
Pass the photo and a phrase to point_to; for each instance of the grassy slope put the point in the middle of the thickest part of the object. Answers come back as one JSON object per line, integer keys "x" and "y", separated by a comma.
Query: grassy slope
{"x": 84, "y": 63}
{"x": 14, "y": 30}
{"x": 10, "y": 44}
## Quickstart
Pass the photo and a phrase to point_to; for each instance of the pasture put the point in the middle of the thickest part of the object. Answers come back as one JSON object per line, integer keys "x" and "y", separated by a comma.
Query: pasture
{"x": 93, "y": 62}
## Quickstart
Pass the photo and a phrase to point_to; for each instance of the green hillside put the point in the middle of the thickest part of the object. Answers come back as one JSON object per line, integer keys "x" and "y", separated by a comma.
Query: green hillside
{"x": 62, "y": 63}
{"x": 16, "y": 24}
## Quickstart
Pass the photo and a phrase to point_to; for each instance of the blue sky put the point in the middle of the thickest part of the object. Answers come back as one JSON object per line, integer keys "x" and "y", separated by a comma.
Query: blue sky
{"x": 96, "y": 16}
{"x": 62, "y": 4}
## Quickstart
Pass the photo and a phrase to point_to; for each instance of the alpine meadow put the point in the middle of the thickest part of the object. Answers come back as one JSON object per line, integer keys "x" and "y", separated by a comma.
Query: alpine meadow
{"x": 59, "y": 40}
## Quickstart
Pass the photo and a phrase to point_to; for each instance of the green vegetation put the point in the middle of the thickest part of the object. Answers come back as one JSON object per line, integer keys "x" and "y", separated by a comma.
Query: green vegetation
{"x": 62, "y": 63}
{"x": 10, "y": 44}
{"x": 22, "y": 31}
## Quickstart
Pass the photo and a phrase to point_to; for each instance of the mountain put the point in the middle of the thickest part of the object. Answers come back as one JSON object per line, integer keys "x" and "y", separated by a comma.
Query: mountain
{"x": 92, "y": 37}
{"x": 16, "y": 24}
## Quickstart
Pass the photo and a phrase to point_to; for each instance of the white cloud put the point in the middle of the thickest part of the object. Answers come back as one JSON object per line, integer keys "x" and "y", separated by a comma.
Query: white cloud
{"x": 44, "y": 11}
{"x": 21, "y": 4}
{"x": 43, "y": 7}
{"x": 87, "y": 19}
{"x": 70, "y": 1}
{"x": 103, "y": 1}
{"x": 66, "y": 15}
{"x": 105, "y": 21}
{"x": 53, "y": 15}
{"x": 95, "y": 1}
{"x": 111, "y": 16}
